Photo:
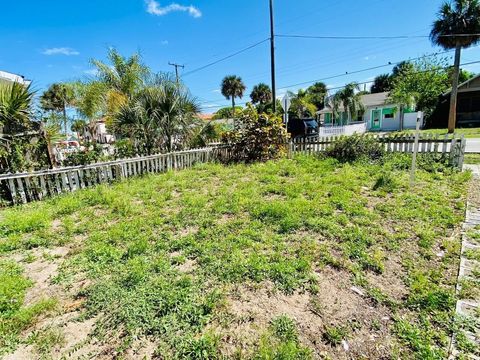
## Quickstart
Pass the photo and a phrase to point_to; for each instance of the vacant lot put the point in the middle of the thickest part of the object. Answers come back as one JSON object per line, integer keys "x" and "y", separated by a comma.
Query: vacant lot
{"x": 293, "y": 259}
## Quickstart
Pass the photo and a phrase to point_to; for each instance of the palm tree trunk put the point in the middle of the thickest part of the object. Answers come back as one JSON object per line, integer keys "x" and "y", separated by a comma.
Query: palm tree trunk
{"x": 233, "y": 112}
{"x": 452, "y": 118}
{"x": 65, "y": 120}
{"x": 402, "y": 117}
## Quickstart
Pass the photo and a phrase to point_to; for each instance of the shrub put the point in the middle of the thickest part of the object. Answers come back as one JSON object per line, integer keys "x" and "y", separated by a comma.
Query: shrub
{"x": 124, "y": 148}
{"x": 86, "y": 157}
{"x": 385, "y": 182}
{"x": 258, "y": 137}
{"x": 356, "y": 147}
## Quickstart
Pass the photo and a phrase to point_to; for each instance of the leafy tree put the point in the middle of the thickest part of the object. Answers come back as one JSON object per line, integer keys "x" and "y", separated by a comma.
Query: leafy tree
{"x": 317, "y": 94}
{"x": 401, "y": 68}
{"x": 382, "y": 83}
{"x": 463, "y": 75}
{"x": 57, "y": 98}
{"x": 232, "y": 87}
{"x": 225, "y": 113}
{"x": 420, "y": 86}
{"x": 158, "y": 115}
{"x": 457, "y": 27}
{"x": 261, "y": 94}
{"x": 301, "y": 106}
{"x": 350, "y": 98}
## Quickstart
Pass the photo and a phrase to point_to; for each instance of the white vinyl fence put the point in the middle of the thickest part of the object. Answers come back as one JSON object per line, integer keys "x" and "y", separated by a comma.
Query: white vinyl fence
{"x": 351, "y": 129}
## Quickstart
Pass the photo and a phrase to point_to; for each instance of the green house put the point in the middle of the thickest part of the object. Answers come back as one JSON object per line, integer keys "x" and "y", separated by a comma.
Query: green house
{"x": 380, "y": 115}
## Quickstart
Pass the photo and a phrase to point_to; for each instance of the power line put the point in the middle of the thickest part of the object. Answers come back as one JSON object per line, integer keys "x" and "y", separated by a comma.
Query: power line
{"x": 226, "y": 57}
{"x": 341, "y": 87}
{"x": 367, "y": 69}
{"x": 328, "y": 37}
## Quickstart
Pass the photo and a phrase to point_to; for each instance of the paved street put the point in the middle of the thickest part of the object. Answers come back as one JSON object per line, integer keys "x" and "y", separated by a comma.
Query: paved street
{"x": 473, "y": 146}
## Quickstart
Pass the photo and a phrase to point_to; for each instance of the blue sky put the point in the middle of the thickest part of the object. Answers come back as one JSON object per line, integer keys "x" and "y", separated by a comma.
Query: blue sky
{"x": 52, "y": 40}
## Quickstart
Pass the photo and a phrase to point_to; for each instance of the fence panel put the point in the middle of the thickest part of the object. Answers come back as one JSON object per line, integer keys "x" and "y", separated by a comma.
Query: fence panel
{"x": 452, "y": 148}
{"x": 26, "y": 187}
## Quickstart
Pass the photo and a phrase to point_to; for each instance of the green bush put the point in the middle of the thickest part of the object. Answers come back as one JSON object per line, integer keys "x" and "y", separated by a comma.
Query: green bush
{"x": 257, "y": 137}
{"x": 356, "y": 147}
{"x": 124, "y": 149}
{"x": 89, "y": 156}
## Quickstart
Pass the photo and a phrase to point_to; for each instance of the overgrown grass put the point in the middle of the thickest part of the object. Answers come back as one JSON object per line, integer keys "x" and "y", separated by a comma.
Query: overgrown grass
{"x": 468, "y": 132}
{"x": 277, "y": 222}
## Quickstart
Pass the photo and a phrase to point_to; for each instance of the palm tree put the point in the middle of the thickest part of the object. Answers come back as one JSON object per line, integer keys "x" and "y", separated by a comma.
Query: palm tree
{"x": 157, "y": 115}
{"x": 456, "y": 27}
{"x": 58, "y": 97}
{"x": 51, "y": 131}
{"x": 78, "y": 126}
{"x": 350, "y": 98}
{"x": 233, "y": 87}
{"x": 15, "y": 107}
{"x": 382, "y": 83}
{"x": 122, "y": 76}
{"x": 301, "y": 105}
{"x": 261, "y": 94}
{"x": 317, "y": 93}
{"x": 91, "y": 103}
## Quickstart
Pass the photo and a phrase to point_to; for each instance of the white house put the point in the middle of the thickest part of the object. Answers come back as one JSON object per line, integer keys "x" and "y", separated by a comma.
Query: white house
{"x": 380, "y": 114}
{"x": 100, "y": 133}
{"x": 7, "y": 77}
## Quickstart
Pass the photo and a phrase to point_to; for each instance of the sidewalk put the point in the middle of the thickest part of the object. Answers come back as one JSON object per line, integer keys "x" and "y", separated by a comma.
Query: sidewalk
{"x": 468, "y": 305}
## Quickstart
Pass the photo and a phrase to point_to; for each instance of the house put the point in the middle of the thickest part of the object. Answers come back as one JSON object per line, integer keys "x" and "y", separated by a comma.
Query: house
{"x": 6, "y": 77}
{"x": 380, "y": 114}
{"x": 98, "y": 132}
{"x": 468, "y": 105}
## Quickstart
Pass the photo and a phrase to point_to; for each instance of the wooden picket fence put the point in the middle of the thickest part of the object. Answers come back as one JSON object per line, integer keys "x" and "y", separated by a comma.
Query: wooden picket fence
{"x": 22, "y": 188}
{"x": 26, "y": 187}
{"x": 449, "y": 147}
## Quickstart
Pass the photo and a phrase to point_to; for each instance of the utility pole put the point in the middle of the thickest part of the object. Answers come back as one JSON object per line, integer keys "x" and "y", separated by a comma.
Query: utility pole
{"x": 176, "y": 70}
{"x": 272, "y": 52}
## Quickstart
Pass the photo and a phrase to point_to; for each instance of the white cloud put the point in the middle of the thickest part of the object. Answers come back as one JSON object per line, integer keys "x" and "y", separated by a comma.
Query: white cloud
{"x": 164, "y": 42}
{"x": 154, "y": 8}
{"x": 61, "y": 51}
{"x": 217, "y": 91}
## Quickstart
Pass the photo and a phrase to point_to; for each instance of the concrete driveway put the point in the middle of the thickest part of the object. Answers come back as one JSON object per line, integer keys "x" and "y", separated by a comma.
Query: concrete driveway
{"x": 473, "y": 146}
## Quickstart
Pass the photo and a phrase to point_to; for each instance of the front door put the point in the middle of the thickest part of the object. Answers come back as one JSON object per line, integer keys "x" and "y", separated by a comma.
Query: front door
{"x": 376, "y": 119}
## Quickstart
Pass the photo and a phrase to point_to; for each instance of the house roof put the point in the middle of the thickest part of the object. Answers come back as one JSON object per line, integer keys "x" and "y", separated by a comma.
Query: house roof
{"x": 10, "y": 77}
{"x": 368, "y": 100}
{"x": 205, "y": 117}
{"x": 472, "y": 84}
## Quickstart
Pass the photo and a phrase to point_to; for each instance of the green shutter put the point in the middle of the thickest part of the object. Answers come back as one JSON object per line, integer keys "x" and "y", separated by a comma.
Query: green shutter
{"x": 388, "y": 111}
{"x": 328, "y": 118}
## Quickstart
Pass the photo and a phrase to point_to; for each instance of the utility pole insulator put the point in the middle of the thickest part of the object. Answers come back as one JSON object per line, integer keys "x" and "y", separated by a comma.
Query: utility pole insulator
{"x": 176, "y": 70}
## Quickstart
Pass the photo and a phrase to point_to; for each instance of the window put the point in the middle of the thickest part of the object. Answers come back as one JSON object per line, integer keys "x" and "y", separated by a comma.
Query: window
{"x": 388, "y": 113}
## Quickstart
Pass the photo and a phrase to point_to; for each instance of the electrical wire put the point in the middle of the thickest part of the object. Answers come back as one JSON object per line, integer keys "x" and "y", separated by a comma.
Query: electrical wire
{"x": 225, "y": 58}
{"x": 368, "y": 37}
